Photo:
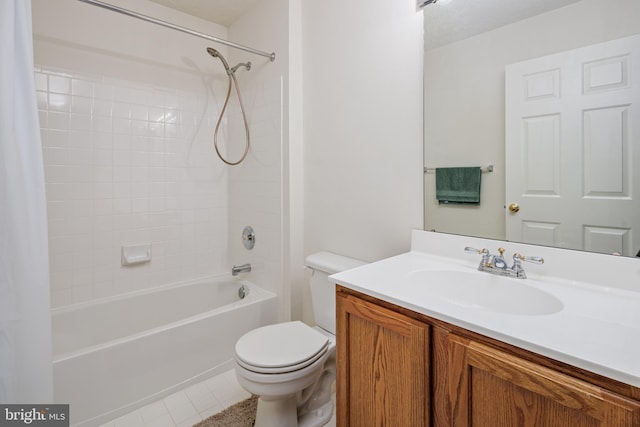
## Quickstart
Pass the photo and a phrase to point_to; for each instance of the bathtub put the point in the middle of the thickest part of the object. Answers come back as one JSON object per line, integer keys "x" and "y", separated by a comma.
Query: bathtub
{"x": 118, "y": 354}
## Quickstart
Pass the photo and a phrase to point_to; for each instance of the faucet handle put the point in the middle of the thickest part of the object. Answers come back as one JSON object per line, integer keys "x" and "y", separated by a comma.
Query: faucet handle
{"x": 532, "y": 259}
{"x": 478, "y": 251}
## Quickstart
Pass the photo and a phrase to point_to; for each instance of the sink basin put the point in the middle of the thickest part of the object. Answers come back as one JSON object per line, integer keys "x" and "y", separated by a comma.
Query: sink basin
{"x": 477, "y": 290}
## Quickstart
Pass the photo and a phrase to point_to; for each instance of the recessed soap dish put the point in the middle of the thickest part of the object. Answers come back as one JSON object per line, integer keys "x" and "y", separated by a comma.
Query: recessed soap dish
{"x": 136, "y": 254}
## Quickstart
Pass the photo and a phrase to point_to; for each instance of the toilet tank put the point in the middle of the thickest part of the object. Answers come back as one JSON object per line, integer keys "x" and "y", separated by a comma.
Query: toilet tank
{"x": 323, "y": 292}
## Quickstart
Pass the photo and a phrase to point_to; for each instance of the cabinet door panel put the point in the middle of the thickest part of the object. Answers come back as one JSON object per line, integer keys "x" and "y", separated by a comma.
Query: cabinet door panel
{"x": 490, "y": 388}
{"x": 382, "y": 367}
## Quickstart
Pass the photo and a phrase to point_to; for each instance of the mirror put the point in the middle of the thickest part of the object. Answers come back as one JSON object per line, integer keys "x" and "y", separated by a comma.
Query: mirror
{"x": 468, "y": 46}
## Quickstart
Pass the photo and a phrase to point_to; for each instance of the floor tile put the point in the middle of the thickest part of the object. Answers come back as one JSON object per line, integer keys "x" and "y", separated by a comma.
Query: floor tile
{"x": 189, "y": 406}
{"x": 154, "y": 411}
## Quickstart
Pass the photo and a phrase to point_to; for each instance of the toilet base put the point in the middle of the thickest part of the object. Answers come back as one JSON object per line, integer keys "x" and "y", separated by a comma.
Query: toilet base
{"x": 277, "y": 413}
{"x": 283, "y": 413}
{"x": 318, "y": 417}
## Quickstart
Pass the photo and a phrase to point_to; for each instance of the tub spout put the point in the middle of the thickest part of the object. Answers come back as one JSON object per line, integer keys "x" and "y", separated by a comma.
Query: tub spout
{"x": 237, "y": 269}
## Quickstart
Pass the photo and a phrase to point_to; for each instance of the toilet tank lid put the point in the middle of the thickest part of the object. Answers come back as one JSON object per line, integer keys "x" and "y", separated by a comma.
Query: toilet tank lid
{"x": 331, "y": 263}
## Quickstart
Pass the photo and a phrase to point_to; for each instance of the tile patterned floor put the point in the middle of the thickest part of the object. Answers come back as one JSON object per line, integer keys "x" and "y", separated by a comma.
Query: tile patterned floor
{"x": 189, "y": 406}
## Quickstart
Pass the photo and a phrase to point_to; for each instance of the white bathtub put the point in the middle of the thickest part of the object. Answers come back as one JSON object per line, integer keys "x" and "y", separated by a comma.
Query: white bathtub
{"x": 118, "y": 354}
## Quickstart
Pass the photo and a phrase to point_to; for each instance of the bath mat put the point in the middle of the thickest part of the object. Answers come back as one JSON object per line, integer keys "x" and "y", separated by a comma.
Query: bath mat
{"x": 242, "y": 414}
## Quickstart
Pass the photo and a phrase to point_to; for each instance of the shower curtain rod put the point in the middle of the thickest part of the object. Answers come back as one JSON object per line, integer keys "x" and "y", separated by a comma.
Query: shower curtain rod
{"x": 271, "y": 56}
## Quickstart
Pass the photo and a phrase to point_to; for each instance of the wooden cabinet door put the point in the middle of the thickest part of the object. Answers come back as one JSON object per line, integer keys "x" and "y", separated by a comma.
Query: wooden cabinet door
{"x": 490, "y": 388}
{"x": 382, "y": 366}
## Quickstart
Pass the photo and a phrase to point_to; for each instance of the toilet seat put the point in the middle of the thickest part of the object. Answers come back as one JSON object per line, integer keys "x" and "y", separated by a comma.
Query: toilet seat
{"x": 280, "y": 348}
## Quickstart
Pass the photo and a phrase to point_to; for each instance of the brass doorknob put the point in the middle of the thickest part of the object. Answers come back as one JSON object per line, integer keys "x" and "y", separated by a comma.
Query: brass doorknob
{"x": 514, "y": 207}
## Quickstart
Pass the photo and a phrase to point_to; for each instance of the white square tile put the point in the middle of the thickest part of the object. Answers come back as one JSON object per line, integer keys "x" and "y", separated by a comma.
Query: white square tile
{"x": 121, "y": 109}
{"x": 78, "y": 139}
{"x": 103, "y": 173}
{"x": 211, "y": 411}
{"x": 189, "y": 422}
{"x": 102, "y": 157}
{"x": 139, "y": 128}
{"x": 121, "y": 158}
{"x": 82, "y": 87}
{"x": 140, "y": 205}
{"x": 139, "y": 112}
{"x": 101, "y": 124}
{"x": 154, "y": 411}
{"x": 41, "y": 80}
{"x": 182, "y": 412}
{"x": 80, "y": 121}
{"x": 201, "y": 398}
{"x": 102, "y": 140}
{"x": 60, "y": 84}
{"x": 58, "y": 120}
{"x": 171, "y": 101}
{"x": 61, "y": 297}
{"x": 102, "y": 190}
{"x": 82, "y": 293}
{"x": 102, "y": 107}
{"x": 102, "y": 289}
{"x": 164, "y": 421}
{"x": 59, "y": 102}
{"x": 156, "y": 129}
{"x": 177, "y": 399}
{"x": 103, "y": 91}
{"x": 80, "y": 104}
{"x": 132, "y": 419}
{"x": 103, "y": 207}
{"x": 121, "y": 174}
{"x": 121, "y": 125}
{"x": 156, "y": 114}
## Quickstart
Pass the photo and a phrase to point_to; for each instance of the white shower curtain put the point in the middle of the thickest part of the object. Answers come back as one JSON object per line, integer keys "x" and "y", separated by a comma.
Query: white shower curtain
{"x": 25, "y": 308}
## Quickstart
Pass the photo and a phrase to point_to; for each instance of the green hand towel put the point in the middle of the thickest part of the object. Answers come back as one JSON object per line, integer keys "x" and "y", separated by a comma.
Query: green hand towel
{"x": 458, "y": 185}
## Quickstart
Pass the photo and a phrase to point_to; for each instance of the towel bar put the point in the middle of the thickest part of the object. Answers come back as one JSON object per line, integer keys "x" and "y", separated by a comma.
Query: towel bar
{"x": 484, "y": 169}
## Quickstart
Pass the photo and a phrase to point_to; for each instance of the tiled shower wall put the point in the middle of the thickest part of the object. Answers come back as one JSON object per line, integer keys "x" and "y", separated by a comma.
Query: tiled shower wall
{"x": 127, "y": 163}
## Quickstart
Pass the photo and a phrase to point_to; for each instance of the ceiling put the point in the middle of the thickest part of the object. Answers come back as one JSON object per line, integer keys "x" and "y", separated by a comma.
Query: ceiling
{"x": 448, "y": 21}
{"x": 223, "y": 12}
{"x": 445, "y": 22}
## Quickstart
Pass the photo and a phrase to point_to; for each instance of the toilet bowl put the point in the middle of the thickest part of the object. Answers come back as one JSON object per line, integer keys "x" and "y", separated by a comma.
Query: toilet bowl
{"x": 286, "y": 376}
{"x": 291, "y": 366}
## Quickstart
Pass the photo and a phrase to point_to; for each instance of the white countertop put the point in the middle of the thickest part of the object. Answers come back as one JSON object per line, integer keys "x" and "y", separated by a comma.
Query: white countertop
{"x": 597, "y": 328}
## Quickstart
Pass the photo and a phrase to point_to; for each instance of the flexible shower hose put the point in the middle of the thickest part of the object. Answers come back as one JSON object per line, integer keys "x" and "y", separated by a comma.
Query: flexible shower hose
{"x": 232, "y": 77}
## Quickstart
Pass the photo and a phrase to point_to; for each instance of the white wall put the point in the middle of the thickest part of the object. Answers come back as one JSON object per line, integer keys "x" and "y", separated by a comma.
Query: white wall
{"x": 257, "y": 190}
{"x": 161, "y": 185}
{"x": 362, "y": 126}
{"x": 464, "y": 100}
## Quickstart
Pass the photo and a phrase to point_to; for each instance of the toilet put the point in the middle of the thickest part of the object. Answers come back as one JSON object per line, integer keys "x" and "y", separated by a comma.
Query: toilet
{"x": 292, "y": 366}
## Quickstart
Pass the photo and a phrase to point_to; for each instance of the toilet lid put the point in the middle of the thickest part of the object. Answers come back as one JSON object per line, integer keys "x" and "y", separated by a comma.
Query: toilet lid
{"x": 281, "y": 347}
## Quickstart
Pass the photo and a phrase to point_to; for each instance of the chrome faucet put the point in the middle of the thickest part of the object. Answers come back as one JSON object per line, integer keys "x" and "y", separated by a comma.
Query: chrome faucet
{"x": 496, "y": 264}
{"x": 237, "y": 269}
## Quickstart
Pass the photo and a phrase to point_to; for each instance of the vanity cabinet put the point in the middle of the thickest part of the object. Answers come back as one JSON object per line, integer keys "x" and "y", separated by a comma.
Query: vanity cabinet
{"x": 489, "y": 387}
{"x": 383, "y": 357}
{"x": 401, "y": 368}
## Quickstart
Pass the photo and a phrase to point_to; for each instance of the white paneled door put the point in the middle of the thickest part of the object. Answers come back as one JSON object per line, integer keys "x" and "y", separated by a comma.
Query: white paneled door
{"x": 573, "y": 149}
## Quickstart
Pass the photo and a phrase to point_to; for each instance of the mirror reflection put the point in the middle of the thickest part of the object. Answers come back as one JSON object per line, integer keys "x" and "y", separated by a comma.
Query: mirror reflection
{"x": 545, "y": 92}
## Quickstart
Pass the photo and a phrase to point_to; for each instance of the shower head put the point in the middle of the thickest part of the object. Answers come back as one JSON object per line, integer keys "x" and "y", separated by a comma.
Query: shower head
{"x": 230, "y": 71}
{"x": 211, "y": 51}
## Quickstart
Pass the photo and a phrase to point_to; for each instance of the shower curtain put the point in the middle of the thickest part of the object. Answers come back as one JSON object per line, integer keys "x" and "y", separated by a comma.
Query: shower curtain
{"x": 25, "y": 309}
